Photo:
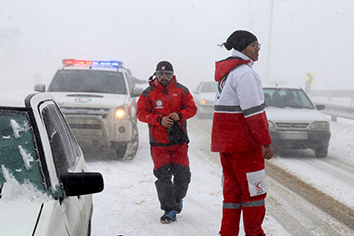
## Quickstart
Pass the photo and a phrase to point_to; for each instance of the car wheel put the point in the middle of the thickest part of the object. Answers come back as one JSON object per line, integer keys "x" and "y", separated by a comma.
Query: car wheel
{"x": 132, "y": 147}
{"x": 120, "y": 150}
{"x": 321, "y": 152}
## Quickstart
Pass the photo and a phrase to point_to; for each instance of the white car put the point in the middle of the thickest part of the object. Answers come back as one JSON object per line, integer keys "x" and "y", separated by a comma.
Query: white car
{"x": 98, "y": 99}
{"x": 294, "y": 121}
{"x": 45, "y": 185}
{"x": 204, "y": 97}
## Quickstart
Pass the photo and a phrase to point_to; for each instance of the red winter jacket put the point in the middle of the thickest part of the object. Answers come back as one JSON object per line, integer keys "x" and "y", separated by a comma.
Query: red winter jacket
{"x": 239, "y": 123}
{"x": 157, "y": 101}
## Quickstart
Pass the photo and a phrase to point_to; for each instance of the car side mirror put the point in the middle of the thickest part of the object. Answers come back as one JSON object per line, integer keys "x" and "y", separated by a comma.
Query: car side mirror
{"x": 320, "y": 107}
{"x": 137, "y": 91}
{"x": 39, "y": 88}
{"x": 82, "y": 183}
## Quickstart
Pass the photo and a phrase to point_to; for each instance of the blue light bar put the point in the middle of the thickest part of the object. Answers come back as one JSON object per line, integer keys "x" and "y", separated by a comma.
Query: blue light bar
{"x": 108, "y": 63}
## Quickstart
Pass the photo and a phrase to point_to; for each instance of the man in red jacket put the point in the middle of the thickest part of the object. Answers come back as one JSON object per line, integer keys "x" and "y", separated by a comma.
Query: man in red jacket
{"x": 166, "y": 105}
{"x": 240, "y": 134}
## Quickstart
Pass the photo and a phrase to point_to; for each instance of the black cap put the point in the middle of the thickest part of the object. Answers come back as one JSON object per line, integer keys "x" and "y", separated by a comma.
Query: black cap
{"x": 164, "y": 66}
{"x": 239, "y": 40}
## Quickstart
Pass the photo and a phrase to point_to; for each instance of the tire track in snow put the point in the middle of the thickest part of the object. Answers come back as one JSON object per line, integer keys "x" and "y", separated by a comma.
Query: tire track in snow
{"x": 336, "y": 167}
{"x": 324, "y": 202}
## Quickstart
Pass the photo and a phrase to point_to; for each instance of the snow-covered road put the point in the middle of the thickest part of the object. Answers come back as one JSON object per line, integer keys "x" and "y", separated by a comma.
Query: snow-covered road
{"x": 129, "y": 205}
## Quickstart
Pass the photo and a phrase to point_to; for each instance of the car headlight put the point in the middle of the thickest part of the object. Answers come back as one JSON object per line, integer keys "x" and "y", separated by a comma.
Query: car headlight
{"x": 320, "y": 125}
{"x": 271, "y": 124}
{"x": 120, "y": 113}
{"x": 206, "y": 102}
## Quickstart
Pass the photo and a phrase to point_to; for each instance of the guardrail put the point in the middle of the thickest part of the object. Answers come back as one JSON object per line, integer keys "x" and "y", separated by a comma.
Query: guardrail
{"x": 335, "y": 108}
{"x": 337, "y": 111}
{"x": 330, "y": 94}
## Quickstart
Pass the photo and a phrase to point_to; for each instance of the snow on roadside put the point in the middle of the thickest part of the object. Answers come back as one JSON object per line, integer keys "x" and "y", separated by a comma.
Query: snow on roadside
{"x": 342, "y": 140}
{"x": 341, "y": 145}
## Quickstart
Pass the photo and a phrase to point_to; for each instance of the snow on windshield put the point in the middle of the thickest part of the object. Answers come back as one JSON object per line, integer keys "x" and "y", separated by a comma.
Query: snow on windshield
{"x": 26, "y": 156}
{"x": 18, "y": 156}
{"x": 17, "y": 128}
{"x": 12, "y": 189}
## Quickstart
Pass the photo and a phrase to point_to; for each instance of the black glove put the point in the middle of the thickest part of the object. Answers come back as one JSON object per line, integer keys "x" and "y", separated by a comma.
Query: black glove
{"x": 176, "y": 134}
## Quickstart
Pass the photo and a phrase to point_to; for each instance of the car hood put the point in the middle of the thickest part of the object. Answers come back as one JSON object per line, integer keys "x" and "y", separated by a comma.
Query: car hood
{"x": 19, "y": 217}
{"x": 208, "y": 96}
{"x": 293, "y": 115}
{"x": 89, "y": 99}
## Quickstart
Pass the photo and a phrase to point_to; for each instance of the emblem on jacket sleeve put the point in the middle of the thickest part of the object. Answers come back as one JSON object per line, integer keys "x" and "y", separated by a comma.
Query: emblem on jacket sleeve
{"x": 221, "y": 83}
{"x": 159, "y": 104}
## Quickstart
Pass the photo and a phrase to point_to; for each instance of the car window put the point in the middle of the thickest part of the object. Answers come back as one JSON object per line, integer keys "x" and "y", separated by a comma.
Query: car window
{"x": 208, "y": 87}
{"x": 130, "y": 83}
{"x": 198, "y": 88}
{"x": 18, "y": 152}
{"x": 65, "y": 149}
{"x": 92, "y": 81}
{"x": 287, "y": 98}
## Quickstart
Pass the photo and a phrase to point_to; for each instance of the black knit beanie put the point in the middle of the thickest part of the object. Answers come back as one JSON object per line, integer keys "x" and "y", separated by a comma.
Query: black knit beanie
{"x": 239, "y": 40}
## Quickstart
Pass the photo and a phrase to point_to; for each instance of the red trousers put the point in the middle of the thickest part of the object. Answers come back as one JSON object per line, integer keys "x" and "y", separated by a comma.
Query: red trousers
{"x": 176, "y": 154}
{"x": 244, "y": 191}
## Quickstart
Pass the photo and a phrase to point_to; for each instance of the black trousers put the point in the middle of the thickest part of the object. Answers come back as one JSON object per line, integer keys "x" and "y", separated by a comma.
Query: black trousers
{"x": 171, "y": 184}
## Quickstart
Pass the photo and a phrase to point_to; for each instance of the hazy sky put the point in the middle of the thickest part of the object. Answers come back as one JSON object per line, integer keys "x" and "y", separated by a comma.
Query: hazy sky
{"x": 307, "y": 36}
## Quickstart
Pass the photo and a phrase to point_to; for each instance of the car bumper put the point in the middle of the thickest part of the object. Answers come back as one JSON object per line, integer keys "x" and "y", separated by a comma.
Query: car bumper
{"x": 296, "y": 139}
{"x": 97, "y": 132}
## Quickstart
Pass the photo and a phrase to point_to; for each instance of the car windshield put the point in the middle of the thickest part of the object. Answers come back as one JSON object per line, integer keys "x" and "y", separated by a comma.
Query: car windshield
{"x": 18, "y": 156}
{"x": 91, "y": 81}
{"x": 282, "y": 97}
{"x": 208, "y": 87}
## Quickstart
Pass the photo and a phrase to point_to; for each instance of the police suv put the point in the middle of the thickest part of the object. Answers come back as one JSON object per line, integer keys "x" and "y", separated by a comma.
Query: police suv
{"x": 98, "y": 99}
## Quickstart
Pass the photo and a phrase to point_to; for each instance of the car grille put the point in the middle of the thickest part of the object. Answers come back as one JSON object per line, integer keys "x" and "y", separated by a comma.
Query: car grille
{"x": 103, "y": 112}
{"x": 85, "y": 126}
{"x": 292, "y": 125}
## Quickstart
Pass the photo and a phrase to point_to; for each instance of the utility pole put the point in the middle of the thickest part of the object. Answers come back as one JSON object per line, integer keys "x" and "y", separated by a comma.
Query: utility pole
{"x": 269, "y": 41}
{"x": 250, "y": 15}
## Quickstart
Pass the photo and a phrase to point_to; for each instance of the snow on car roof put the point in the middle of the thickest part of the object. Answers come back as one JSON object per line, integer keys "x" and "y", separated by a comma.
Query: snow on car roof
{"x": 281, "y": 86}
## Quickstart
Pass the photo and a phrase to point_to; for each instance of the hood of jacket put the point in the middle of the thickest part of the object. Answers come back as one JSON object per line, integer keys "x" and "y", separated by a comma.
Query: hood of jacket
{"x": 223, "y": 67}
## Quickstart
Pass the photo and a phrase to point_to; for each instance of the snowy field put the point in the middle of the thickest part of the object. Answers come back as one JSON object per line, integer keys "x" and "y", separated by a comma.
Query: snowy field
{"x": 128, "y": 206}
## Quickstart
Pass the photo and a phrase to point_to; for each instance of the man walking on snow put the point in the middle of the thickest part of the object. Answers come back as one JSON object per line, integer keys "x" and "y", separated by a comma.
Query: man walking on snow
{"x": 166, "y": 105}
{"x": 240, "y": 134}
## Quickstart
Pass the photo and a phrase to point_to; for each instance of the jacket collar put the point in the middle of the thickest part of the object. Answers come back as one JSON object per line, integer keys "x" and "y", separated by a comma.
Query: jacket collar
{"x": 236, "y": 53}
